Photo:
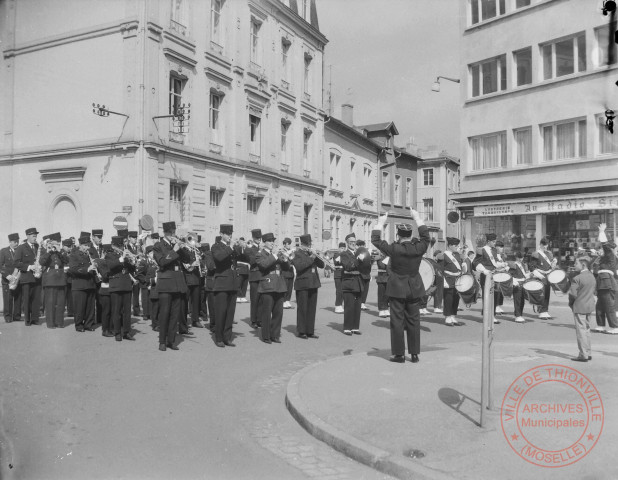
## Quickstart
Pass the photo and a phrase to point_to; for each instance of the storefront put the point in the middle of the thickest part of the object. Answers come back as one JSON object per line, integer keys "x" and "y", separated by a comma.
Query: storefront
{"x": 569, "y": 224}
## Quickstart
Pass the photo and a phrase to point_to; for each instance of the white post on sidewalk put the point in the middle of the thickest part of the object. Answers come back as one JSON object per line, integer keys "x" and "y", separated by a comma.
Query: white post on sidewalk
{"x": 487, "y": 370}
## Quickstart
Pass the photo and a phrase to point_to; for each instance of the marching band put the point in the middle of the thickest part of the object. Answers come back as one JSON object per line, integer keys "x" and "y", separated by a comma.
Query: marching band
{"x": 178, "y": 280}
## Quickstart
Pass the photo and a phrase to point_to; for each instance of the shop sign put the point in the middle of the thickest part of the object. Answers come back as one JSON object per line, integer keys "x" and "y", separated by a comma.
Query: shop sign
{"x": 548, "y": 206}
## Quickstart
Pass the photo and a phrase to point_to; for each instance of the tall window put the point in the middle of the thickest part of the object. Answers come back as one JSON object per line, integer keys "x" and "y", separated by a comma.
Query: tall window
{"x": 255, "y": 41}
{"x": 285, "y": 64}
{"x": 285, "y": 207}
{"x": 335, "y": 170}
{"x": 255, "y": 135}
{"x": 427, "y": 176}
{"x": 305, "y": 9}
{"x": 602, "y": 35}
{"x": 386, "y": 190}
{"x": 284, "y": 142}
{"x": 253, "y": 204}
{"x": 523, "y": 60}
{"x": 176, "y": 207}
{"x": 488, "y": 151}
{"x": 306, "y": 213}
{"x": 178, "y": 17}
{"x": 175, "y": 97}
{"x": 213, "y": 118}
{"x": 215, "y": 21}
{"x": 523, "y": 143}
{"x": 564, "y": 57}
{"x": 409, "y": 190}
{"x": 215, "y": 197}
{"x": 481, "y": 10}
{"x": 306, "y": 152}
{"x": 352, "y": 175}
{"x": 488, "y": 76}
{"x": 428, "y": 209}
{"x": 307, "y": 75}
{"x": 398, "y": 189}
{"x": 608, "y": 143}
{"x": 564, "y": 140}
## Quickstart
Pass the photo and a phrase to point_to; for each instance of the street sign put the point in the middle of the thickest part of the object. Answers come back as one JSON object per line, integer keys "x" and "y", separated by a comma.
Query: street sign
{"x": 326, "y": 235}
{"x": 146, "y": 222}
{"x": 120, "y": 223}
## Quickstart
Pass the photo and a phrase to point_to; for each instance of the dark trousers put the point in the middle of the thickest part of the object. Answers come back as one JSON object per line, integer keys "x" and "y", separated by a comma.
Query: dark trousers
{"x": 31, "y": 302}
{"x": 546, "y": 293}
{"x": 438, "y": 295}
{"x": 54, "y": 306}
{"x": 365, "y": 289}
{"x": 351, "y": 310}
{"x": 382, "y": 298}
{"x": 69, "y": 299}
{"x": 145, "y": 302}
{"x": 451, "y": 302}
{"x": 243, "y": 281}
{"x": 225, "y": 307}
{"x": 271, "y": 313}
{"x": 209, "y": 307}
{"x": 121, "y": 312}
{"x": 170, "y": 309}
{"x": 106, "y": 313}
{"x": 154, "y": 312}
{"x": 193, "y": 301}
{"x": 518, "y": 300}
{"x": 338, "y": 292}
{"x": 97, "y": 303}
{"x": 606, "y": 308}
{"x": 83, "y": 308}
{"x": 254, "y": 296}
{"x": 307, "y": 301}
{"x": 289, "y": 282}
{"x": 11, "y": 303}
{"x": 183, "y": 326}
{"x": 405, "y": 316}
{"x": 135, "y": 299}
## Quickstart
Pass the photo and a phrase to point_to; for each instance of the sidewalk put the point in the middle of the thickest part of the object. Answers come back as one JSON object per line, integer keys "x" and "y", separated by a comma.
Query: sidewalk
{"x": 421, "y": 420}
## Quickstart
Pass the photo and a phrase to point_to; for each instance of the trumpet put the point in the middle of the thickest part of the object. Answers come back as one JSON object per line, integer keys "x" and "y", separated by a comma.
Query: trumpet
{"x": 327, "y": 261}
{"x": 282, "y": 251}
{"x": 133, "y": 258}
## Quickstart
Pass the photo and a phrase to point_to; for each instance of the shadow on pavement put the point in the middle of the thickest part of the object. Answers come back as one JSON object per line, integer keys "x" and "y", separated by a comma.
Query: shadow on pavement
{"x": 563, "y": 325}
{"x": 553, "y": 353}
{"x": 455, "y": 400}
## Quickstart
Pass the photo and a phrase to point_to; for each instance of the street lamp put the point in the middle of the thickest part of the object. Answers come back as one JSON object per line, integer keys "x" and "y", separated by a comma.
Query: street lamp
{"x": 436, "y": 85}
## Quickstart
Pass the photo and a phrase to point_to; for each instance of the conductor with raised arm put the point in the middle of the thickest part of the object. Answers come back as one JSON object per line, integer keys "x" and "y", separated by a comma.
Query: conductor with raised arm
{"x": 404, "y": 287}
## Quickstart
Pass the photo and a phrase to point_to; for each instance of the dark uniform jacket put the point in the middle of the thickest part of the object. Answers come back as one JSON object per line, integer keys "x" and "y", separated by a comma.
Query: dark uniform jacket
{"x": 271, "y": 269}
{"x": 209, "y": 268}
{"x": 53, "y": 269}
{"x": 146, "y": 273}
{"x": 254, "y": 271}
{"x": 488, "y": 258}
{"x": 225, "y": 268}
{"x": 452, "y": 266}
{"x": 519, "y": 272}
{"x": 289, "y": 273}
{"x": 382, "y": 276}
{"x": 119, "y": 273}
{"x": 338, "y": 267}
{"x": 606, "y": 274}
{"x": 539, "y": 262}
{"x": 243, "y": 261}
{"x": 350, "y": 276}
{"x": 365, "y": 265}
{"x": 24, "y": 257}
{"x": 7, "y": 263}
{"x": 404, "y": 280}
{"x": 170, "y": 278}
{"x": 96, "y": 252}
{"x": 82, "y": 279}
{"x": 103, "y": 269}
{"x": 191, "y": 277}
{"x": 306, "y": 270}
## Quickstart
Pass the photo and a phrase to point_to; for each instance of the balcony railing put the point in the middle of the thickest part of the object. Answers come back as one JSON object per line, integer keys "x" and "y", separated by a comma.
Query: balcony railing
{"x": 179, "y": 28}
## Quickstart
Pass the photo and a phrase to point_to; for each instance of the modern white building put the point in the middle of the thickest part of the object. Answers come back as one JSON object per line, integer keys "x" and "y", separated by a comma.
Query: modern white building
{"x": 245, "y": 74}
{"x": 537, "y": 158}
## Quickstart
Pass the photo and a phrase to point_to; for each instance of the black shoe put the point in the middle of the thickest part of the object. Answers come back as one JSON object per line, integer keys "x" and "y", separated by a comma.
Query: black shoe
{"x": 79, "y": 329}
{"x": 356, "y": 332}
{"x": 162, "y": 347}
{"x": 275, "y": 340}
{"x": 128, "y": 336}
{"x": 171, "y": 346}
{"x": 155, "y": 329}
{"x": 118, "y": 338}
{"x": 108, "y": 334}
{"x": 8, "y": 321}
{"x": 580, "y": 359}
{"x": 312, "y": 335}
{"x": 90, "y": 329}
{"x": 267, "y": 341}
{"x": 415, "y": 358}
{"x": 303, "y": 336}
{"x": 590, "y": 357}
{"x": 347, "y": 332}
{"x": 229, "y": 344}
{"x": 188, "y": 333}
{"x": 198, "y": 325}
{"x": 254, "y": 325}
{"x": 397, "y": 359}
{"x": 220, "y": 344}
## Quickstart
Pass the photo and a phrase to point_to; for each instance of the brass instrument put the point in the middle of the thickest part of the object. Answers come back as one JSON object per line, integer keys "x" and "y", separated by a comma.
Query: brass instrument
{"x": 38, "y": 269}
{"x": 133, "y": 259}
{"x": 95, "y": 270}
{"x": 14, "y": 279}
{"x": 327, "y": 261}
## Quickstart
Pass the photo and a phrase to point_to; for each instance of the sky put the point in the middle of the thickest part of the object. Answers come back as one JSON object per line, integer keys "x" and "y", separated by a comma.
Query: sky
{"x": 385, "y": 55}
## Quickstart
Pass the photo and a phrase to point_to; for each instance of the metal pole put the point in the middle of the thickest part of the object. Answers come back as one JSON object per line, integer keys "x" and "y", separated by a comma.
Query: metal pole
{"x": 487, "y": 352}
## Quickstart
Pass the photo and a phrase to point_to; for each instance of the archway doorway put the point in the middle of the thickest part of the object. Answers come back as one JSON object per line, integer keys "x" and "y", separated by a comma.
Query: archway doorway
{"x": 65, "y": 218}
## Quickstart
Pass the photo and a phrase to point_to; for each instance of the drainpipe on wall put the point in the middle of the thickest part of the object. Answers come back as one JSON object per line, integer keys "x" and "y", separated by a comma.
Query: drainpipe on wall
{"x": 141, "y": 153}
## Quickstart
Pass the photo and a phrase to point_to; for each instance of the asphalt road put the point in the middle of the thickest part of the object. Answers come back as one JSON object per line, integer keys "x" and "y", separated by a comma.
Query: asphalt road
{"x": 79, "y": 405}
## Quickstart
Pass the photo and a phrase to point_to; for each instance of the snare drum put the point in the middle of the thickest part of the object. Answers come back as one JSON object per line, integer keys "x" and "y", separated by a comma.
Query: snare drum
{"x": 559, "y": 280}
{"x": 427, "y": 273}
{"x": 466, "y": 287}
{"x": 504, "y": 282}
{"x": 533, "y": 291}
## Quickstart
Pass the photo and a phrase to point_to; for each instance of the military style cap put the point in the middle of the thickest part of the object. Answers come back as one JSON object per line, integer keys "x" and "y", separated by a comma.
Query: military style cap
{"x": 350, "y": 235}
{"x": 256, "y": 233}
{"x": 154, "y": 236}
{"x": 14, "y": 237}
{"x": 84, "y": 234}
{"x": 67, "y": 243}
{"x": 117, "y": 240}
{"x": 226, "y": 228}
{"x": 123, "y": 233}
{"x": 268, "y": 237}
{"x": 452, "y": 241}
{"x": 107, "y": 247}
{"x": 84, "y": 240}
{"x": 97, "y": 232}
{"x": 132, "y": 233}
{"x": 56, "y": 237}
{"x": 305, "y": 239}
{"x": 205, "y": 247}
{"x": 490, "y": 237}
{"x": 499, "y": 244}
{"x": 360, "y": 243}
{"x": 341, "y": 244}
{"x": 45, "y": 237}
{"x": 404, "y": 230}
{"x": 169, "y": 226}
{"x": 32, "y": 231}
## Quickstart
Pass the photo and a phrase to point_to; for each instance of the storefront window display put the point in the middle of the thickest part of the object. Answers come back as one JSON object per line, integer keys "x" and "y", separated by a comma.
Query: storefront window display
{"x": 518, "y": 232}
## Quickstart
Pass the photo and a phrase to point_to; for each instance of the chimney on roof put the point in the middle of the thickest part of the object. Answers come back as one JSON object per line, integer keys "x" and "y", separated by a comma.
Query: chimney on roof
{"x": 347, "y": 114}
{"x": 412, "y": 147}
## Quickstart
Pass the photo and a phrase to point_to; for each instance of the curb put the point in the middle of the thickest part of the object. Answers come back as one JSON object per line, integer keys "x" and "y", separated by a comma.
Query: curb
{"x": 374, "y": 457}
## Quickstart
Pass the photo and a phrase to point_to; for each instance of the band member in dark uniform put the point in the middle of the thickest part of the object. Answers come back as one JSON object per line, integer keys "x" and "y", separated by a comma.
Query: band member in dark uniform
{"x": 171, "y": 285}
{"x": 272, "y": 289}
{"x": 54, "y": 281}
{"x": 105, "y": 298}
{"x": 365, "y": 271}
{"x": 307, "y": 282}
{"x": 486, "y": 262}
{"x": 337, "y": 277}
{"x": 27, "y": 261}
{"x": 83, "y": 284}
{"x": 225, "y": 287}
{"x": 452, "y": 268}
{"x": 121, "y": 269}
{"x": 520, "y": 273}
{"x": 242, "y": 269}
{"x": 11, "y": 298}
{"x": 288, "y": 274}
{"x": 607, "y": 285}
{"x": 145, "y": 274}
{"x": 209, "y": 283}
{"x": 254, "y": 276}
{"x": 192, "y": 271}
{"x": 135, "y": 289}
{"x": 68, "y": 245}
{"x": 541, "y": 263}
{"x": 96, "y": 251}
{"x": 405, "y": 286}
{"x": 381, "y": 280}
{"x": 351, "y": 286}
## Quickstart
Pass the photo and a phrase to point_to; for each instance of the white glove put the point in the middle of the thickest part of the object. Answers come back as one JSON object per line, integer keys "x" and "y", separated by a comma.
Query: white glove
{"x": 481, "y": 268}
{"x": 602, "y": 235}
{"x": 515, "y": 282}
{"x": 30, "y": 268}
{"x": 121, "y": 259}
{"x": 537, "y": 273}
{"x": 386, "y": 260}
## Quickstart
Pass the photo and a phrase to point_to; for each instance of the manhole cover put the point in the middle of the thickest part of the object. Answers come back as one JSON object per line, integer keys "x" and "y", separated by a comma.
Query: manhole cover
{"x": 414, "y": 453}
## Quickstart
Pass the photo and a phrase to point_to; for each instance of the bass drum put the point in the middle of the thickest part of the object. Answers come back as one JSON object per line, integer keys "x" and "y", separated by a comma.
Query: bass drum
{"x": 428, "y": 275}
{"x": 533, "y": 291}
{"x": 559, "y": 280}
{"x": 466, "y": 286}
{"x": 504, "y": 282}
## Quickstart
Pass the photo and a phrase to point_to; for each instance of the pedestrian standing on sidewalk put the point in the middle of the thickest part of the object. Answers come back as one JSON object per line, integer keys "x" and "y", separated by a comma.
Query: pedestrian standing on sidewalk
{"x": 607, "y": 285}
{"x": 582, "y": 302}
{"x": 404, "y": 287}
